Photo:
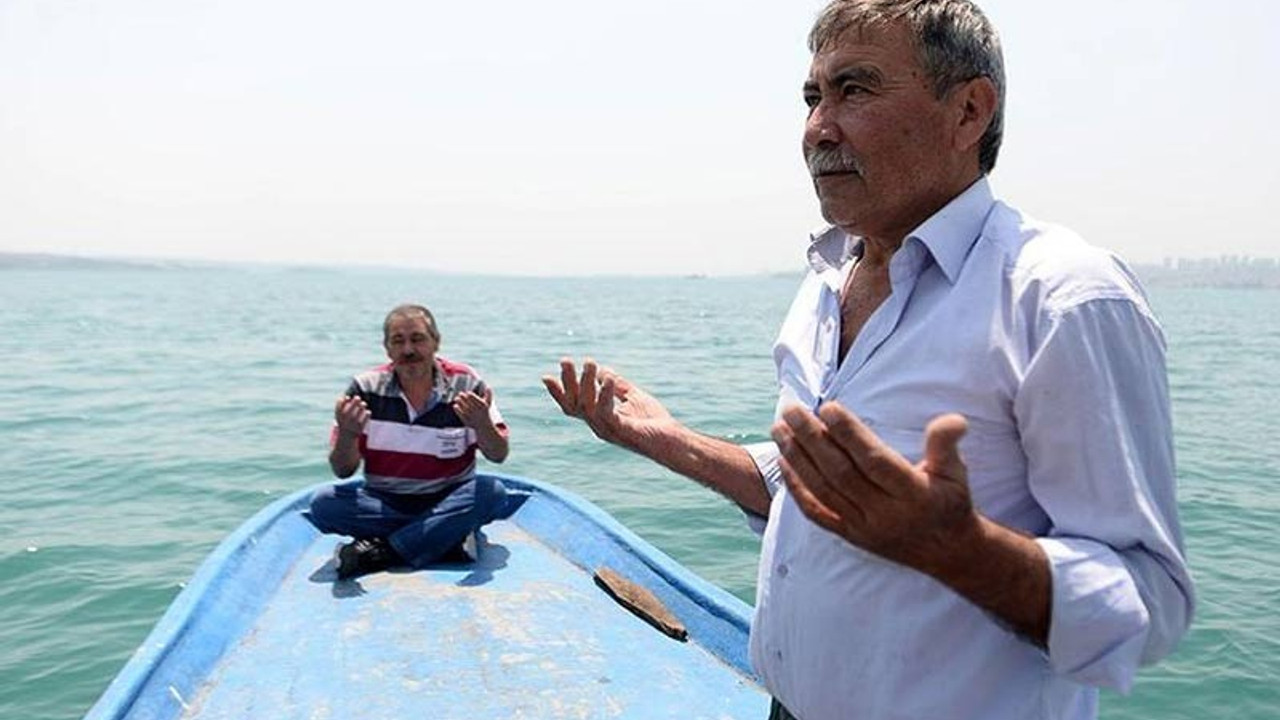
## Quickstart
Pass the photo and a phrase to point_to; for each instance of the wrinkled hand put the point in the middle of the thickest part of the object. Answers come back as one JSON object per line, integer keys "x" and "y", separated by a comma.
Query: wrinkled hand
{"x": 473, "y": 408}
{"x": 617, "y": 411}
{"x": 352, "y": 414}
{"x": 849, "y": 481}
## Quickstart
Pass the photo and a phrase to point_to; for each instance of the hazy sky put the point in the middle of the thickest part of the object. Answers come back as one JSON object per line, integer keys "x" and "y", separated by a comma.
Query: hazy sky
{"x": 567, "y": 136}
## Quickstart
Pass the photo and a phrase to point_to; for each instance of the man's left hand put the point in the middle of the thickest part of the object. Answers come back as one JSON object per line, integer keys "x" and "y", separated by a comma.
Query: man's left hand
{"x": 474, "y": 409}
{"x": 849, "y": 481}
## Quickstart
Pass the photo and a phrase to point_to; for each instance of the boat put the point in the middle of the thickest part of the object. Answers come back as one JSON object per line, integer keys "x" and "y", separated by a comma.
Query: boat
{"x": 560, "y": 612}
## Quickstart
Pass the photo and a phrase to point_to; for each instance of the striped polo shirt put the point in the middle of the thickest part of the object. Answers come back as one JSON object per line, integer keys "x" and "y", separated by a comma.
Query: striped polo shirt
{"x": 411, "y": 453}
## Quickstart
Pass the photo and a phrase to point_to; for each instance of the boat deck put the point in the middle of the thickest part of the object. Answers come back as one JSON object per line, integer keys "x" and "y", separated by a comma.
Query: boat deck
{"x": 521, "y": 633}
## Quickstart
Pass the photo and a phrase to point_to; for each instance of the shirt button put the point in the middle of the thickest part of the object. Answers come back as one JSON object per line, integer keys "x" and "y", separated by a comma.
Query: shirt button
{"x": 783, "y": 570}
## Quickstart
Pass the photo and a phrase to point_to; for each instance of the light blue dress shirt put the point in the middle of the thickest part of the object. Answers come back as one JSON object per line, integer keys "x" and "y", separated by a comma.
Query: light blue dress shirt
{"x": 1049, "y": 349}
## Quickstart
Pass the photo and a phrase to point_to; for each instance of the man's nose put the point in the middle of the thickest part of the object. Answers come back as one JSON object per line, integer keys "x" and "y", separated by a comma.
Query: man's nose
{"x": 819, "y": 127}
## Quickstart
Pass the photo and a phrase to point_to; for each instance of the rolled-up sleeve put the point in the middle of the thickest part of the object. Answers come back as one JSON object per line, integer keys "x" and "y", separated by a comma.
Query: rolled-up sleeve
{"x": 1094, "y": 413}
{"x": 765, "y": 455}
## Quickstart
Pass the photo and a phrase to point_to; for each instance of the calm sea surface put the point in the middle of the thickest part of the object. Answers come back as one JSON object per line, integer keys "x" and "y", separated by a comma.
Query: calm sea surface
{"x": 144, "y": 414}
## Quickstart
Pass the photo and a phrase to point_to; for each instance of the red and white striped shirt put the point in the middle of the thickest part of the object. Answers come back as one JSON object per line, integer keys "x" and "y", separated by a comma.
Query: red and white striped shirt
{"x": 409, "y": 452}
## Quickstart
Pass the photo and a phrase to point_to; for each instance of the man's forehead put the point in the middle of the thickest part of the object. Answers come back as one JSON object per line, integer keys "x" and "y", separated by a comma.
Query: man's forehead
{"x": 407, "y": 323}
{"x": 871, "y": 45}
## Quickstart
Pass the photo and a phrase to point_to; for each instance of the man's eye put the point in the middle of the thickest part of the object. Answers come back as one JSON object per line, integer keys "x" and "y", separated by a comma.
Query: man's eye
{"x": 852, "y": 90}
{"x": 811, "y": 100}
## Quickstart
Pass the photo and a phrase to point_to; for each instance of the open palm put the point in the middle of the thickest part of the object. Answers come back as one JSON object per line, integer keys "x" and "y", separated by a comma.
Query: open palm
{"x": 615, "y": 409}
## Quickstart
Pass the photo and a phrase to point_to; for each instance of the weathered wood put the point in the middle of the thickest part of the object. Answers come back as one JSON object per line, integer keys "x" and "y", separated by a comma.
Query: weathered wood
{"x": 641, "y": 602}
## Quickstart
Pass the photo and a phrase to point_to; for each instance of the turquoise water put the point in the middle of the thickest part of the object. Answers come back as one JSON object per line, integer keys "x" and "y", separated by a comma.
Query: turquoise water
{"x": 145, "y": 414}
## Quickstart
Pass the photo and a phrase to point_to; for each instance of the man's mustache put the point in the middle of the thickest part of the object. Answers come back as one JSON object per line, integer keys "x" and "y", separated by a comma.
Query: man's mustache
{"x": 828, "y": 160}
{"x": 410, "y": 357}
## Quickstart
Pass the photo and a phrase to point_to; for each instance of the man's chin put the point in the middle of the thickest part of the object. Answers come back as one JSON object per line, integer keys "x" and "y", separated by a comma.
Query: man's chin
{"x": 839, "y": 215}
{"x": 839, "y": 205}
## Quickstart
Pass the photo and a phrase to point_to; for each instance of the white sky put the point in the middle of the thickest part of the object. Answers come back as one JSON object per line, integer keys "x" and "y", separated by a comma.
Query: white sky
{"x": 576, "y": 136}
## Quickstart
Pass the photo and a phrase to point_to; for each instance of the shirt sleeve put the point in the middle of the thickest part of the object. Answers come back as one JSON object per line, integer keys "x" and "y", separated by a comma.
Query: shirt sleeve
{"x": 1096, "y": 426}
{"x": 765, "y": 455}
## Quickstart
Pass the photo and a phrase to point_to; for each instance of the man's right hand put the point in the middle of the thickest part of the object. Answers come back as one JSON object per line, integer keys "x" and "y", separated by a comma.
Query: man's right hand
{"x": 352, "y": 415}
{"x": 617, "y": 411}
{"x": 622, "y": 414}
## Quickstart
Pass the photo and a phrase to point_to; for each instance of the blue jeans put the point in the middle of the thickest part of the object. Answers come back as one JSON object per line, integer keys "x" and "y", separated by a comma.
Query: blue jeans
{"x": 420, "y": 527}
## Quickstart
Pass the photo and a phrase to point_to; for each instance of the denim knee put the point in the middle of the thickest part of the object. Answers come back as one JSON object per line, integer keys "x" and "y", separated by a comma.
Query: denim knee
{"x": 328, "y": 504}
{"x": 491, "y": 496}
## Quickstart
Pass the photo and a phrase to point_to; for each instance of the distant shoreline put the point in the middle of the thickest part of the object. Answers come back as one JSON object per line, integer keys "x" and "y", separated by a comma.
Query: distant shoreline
{"x": 1228, "y": 272}
{"x": 48, "y": 261}
{"x": 53, "y": 261}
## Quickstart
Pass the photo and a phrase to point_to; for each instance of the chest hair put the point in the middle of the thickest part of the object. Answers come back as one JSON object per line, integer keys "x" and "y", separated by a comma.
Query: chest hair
{"x": 867, "y": 287}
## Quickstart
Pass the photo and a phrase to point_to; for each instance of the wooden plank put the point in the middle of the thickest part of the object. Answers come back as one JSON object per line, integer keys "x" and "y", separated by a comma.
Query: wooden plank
{"x": 640, "y": 601}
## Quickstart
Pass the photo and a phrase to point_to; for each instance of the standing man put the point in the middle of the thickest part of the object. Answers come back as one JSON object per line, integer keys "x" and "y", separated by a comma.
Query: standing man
{"x": 970, "y": 498}
{"x": 416, "y": 423}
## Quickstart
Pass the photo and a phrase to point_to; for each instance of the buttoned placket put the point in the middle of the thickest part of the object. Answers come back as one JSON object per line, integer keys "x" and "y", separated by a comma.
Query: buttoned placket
{"x": 437, "y": 387}
{"x": 826, "y": 342}
{"x": 904, "y": 271}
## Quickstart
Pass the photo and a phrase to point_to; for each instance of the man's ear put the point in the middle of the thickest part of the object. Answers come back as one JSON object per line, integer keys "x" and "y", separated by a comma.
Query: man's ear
{"x": 975, "y": 102}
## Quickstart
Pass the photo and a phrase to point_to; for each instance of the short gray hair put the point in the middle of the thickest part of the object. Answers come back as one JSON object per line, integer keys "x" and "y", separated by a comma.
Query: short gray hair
{"x": 410, "y": 310}
{"x": 954, "y": 40}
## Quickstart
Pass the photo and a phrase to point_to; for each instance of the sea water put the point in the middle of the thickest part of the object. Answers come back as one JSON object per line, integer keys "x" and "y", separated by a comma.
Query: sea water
{"x": 147, "y": 412}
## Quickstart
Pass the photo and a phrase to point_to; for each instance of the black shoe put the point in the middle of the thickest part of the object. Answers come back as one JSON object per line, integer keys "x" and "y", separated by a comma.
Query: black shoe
{"x": 456, "y": 555}
{"x": 365, "y": 555}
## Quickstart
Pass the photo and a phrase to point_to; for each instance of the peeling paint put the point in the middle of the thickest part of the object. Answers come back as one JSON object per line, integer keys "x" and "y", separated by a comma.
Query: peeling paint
{"x": 178, "y": 696}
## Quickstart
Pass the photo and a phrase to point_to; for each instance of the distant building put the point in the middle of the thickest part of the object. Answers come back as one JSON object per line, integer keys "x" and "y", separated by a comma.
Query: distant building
{"x": 1224, "y": 271}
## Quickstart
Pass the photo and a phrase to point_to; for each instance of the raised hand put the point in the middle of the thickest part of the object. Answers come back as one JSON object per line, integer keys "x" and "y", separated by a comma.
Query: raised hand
{"x": 849, "y": 481}
{"x": 352, "y": 414}
{"x": 474, "y": 409}
{"x": 616, "y": 410}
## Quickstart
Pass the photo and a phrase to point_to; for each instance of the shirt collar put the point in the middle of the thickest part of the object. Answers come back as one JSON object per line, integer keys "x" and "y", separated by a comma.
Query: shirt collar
{"x": 439, "y": 387}
{"x": 830, "y": 248}
{"x": 948, "y": 234}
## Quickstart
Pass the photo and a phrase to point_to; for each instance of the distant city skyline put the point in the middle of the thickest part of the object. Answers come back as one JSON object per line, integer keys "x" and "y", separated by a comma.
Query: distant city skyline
{"x": 569, "y": 137}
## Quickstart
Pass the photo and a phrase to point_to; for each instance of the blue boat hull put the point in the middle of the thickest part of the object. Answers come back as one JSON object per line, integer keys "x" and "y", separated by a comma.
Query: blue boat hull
{"x": 263, "y": 631}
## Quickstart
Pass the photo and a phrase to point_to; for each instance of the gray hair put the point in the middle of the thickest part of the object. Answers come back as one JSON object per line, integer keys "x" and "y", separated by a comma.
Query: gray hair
{"x": 954, "y": 41}
{"x": 410, "y": 310}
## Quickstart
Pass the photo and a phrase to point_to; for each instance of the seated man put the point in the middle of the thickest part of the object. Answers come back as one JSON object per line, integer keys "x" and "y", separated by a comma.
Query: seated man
{"x": 416, "y": 423}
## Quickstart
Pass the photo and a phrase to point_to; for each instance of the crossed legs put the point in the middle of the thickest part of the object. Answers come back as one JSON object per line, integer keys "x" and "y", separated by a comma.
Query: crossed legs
{"x": 421, "y": 528}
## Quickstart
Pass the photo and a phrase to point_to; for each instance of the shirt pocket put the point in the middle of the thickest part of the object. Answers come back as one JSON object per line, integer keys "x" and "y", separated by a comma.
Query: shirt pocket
{"x": 991, "y": 452}
{"x": 448, "y": 442}
{"x": 995, "y": 467}
{"x": 908, "y": 442}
